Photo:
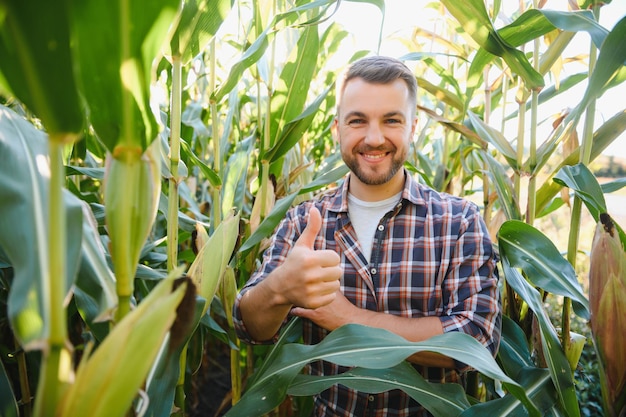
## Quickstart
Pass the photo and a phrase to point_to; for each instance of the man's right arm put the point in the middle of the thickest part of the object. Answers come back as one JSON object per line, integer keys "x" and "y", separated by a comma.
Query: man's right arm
{"x": 307, "y": 278}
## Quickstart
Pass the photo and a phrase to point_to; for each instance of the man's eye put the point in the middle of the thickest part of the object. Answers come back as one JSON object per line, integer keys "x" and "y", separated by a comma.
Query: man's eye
{"x": 394, "y": 121}
{"x": 356, "y": 121}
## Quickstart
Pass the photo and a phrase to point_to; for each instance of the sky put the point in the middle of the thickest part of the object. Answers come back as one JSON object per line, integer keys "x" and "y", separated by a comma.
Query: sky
{"x": 401, "y": 16}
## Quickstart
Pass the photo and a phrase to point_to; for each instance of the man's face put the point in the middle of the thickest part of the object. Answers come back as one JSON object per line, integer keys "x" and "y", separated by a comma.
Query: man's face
{"x": 374, "y": 127}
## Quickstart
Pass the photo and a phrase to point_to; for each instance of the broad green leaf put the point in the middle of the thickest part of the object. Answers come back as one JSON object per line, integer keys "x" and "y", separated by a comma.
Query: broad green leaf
{"x": 582, "y": 181}
{"x": 473, "y": 17}
{"x": 532, "y": 24}
{"x": 611, "y": 59}
{"x": 504, "y": 188}
{"x": 269, "y": 223}
{"x": 37, "y": 64}
{"x": 513, "y": 353}
{"x": 212, "y": 259}
{"x": 210, "y": 174}
{"x": 164, "y": 375}
{"x": 586, "y": 186}
{"x": 294, "y": 129}
{"x": 537, "y": 385}
{"x": 291, "y": 91}
{"x": 24, "y": 182}
{"x": 527, "y": 248}
{"x": 495, "y": 138}
{"x": 366, "y": 347}
{"x": 107, "y": 381}
{"x": 606, "y": 134}
{"x": 233, "y": 192}
{"x": 199, "y": 22}
{"x": 116, "y": 45}
{"x": 558, "y": 365}
{"x": 94, "y": 292}
{"x": 441, "y": 94}
{"x": 440, "y": 399}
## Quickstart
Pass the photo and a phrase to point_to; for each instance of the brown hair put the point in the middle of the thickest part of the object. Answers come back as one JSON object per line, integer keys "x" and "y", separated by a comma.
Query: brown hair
{"x": 380, "y": 70}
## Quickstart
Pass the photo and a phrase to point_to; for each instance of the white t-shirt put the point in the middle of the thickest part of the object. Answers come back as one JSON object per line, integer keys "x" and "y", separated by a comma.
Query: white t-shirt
{"x": 365, "y": 216}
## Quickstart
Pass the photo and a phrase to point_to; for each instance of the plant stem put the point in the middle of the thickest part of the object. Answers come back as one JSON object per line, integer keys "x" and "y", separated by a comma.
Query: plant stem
{"x": 215, "y": 133}
{"x": 56, "y": 364}
{"x": 175, "y": 120}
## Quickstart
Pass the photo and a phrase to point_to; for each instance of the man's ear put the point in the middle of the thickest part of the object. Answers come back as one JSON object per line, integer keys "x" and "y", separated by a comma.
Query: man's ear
{"x": 334, "y": 129}
{"x": 414, "y": 126}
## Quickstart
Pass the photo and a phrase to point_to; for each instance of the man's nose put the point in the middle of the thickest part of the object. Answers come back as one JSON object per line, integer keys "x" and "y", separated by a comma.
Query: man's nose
{"x": 374, "y": 136}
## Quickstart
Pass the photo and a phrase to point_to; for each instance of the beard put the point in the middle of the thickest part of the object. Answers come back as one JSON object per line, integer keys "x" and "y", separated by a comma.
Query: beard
{"x": 377, "y": 175}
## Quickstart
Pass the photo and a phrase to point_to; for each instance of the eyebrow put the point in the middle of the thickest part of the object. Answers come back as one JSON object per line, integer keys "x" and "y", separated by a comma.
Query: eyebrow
{"x": 394, "y": 113}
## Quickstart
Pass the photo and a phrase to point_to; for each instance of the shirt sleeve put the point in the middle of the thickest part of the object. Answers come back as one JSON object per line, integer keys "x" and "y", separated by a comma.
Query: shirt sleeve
{"x": 471, "y": 285}
{"x": 281, "y": 243}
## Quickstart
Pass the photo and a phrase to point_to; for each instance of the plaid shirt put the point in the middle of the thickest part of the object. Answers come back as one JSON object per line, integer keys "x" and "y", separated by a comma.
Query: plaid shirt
{"x": 431, "y": 256}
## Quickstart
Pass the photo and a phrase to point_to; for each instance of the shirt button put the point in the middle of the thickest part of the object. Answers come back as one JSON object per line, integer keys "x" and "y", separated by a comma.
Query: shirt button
{"x": 373, "y": 271}
{"x": 370, "y": 398}
{"x": 381, "y": 227}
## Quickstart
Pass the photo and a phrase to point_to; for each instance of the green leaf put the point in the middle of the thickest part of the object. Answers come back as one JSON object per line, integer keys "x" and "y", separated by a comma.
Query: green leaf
{"x": 269, "y": 223}
{"x": 504, "y": 188}
{"x": 36, "y": 61}
{"x": 473, "y": 17}
{"x": 293, "y": 131}
{"x": 367, "y": 347}
{"x": 582, "y": 181}
{"x": 513, "y": 353}
{"x": 494, "y": 137}
{"x": 208, "y": 172}
{"x": 116, "y": 70}
{"x": 440, "y": 399}
{"x": 198, "y": 24}
{"x": 24, "y": 182}
{"x": 213, "y": 257}
{"x": 125, "y": 357}
{"x": 558, "y": 364}
{"x": 94, "y": 291}
{"x": 291, "y": 91}
{"x": 527, "y": 248}
{"x": 610, "y": 60}
{"x": 606, "y": 134}
{"x": 586, "y": 186}
{"x": 537, "y": 385}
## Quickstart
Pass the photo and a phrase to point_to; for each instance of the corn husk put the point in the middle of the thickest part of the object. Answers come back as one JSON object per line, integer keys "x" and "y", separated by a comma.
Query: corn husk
{"x": 607, "y": 294}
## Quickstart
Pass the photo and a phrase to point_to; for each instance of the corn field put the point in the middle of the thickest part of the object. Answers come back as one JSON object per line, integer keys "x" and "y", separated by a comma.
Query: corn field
{"x": 148, "y": 149}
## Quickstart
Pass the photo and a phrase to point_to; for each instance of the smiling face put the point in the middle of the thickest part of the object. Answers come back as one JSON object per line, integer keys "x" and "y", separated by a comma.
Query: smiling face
{"x": 374, "y": 127}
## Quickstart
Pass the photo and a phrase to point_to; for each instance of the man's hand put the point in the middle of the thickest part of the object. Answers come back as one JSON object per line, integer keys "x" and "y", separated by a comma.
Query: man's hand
{"x": 308, "y": 278}
{"x": 330, "y": 316}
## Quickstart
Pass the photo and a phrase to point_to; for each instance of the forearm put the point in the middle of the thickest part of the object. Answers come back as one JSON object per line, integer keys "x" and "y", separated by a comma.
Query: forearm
{"x": 262, "y": 312}
{"x": 413, "y": 330}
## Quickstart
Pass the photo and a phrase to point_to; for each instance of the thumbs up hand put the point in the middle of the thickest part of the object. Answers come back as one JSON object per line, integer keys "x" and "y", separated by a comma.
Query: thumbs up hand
{"x": 309, "y": 278}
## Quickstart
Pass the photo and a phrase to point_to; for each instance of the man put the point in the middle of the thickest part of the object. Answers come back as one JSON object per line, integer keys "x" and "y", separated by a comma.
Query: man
{"x": 381, "y": 250}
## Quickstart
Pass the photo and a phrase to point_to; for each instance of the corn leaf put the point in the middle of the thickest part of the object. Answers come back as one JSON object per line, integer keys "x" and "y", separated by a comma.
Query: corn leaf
{"x": 212, "y": 260}
{"x": 558, "y": 365}
{"x": 108, "y": 381}
{"x": 366, "y": 347}
{"x": 440, "y": 399}
{"x": 37, "y": 64}
{"x": 24, "y": 174}
{"x": 199, "y": 22}
{"x": 116, "y": 45}
{"x": 527, "y": 248}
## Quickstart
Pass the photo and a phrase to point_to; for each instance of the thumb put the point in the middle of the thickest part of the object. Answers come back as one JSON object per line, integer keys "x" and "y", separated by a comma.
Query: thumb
{"x": 313, "y": 226}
